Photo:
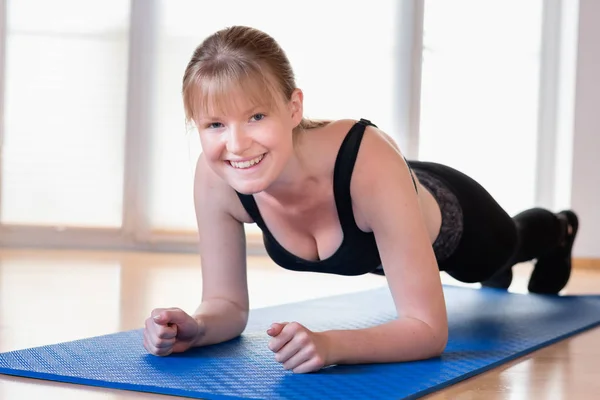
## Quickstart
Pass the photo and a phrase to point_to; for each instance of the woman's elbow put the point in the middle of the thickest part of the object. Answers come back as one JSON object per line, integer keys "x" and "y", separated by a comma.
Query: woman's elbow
{"x": 440, "y": 341}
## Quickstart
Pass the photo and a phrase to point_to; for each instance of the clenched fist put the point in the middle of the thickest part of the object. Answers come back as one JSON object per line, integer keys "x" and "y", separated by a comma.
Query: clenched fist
{"x": 170, "y": 330}
{"x": 298, "y": 348}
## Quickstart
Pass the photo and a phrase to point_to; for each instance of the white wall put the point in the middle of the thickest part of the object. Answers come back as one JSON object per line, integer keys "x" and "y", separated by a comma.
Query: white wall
{"x": 585, "y": 178}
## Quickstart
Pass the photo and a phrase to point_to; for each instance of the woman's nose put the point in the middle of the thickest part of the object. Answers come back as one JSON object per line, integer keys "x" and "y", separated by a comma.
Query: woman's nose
{"x": 238, "y": 141}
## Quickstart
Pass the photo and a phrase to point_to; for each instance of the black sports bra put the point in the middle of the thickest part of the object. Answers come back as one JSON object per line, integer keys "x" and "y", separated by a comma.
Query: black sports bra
{"x": 358, "y": 253}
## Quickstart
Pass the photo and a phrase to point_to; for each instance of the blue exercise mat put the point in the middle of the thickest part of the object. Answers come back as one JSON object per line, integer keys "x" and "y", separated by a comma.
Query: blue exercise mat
{"x": 488, "y": 327}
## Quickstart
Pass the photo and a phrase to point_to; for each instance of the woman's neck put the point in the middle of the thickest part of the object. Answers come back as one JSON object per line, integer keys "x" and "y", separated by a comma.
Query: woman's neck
{"x": 296, "y": 184}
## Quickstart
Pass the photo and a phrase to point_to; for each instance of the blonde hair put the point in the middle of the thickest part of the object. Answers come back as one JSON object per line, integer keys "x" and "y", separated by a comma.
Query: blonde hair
{"x": 239, "y": 58}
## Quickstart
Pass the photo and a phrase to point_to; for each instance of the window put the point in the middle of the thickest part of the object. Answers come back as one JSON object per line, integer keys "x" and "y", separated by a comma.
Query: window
{"x": 94, "y": 133}
{"x": 64, "y": 106}
{"x": 479, "y": 95}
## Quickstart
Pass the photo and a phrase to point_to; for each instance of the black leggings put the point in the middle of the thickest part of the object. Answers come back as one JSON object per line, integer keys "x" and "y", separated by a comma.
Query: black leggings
{"x": 491, "y": 240}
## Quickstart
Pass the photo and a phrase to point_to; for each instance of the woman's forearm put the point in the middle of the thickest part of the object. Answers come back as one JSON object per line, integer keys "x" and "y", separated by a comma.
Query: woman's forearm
{"x": 219, "y": 320}
{"x": 400, "y": 340}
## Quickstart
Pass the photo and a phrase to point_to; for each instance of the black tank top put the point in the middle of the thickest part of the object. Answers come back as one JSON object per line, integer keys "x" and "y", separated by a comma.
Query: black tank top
{"x": 358, "y": 253}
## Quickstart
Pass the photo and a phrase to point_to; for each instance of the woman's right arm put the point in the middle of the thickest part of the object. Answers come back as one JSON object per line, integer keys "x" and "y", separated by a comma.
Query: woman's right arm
{"x": 223, "y": 312}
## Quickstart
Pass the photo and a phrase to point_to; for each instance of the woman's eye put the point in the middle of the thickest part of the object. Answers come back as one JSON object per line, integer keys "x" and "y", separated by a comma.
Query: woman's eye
{"x": 215, "y": 125}
{"x": 258, "y": 117}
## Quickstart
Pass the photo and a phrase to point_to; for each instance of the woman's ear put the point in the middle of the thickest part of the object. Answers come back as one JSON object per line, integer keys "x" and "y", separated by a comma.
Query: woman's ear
{"x": 296, "y": 106}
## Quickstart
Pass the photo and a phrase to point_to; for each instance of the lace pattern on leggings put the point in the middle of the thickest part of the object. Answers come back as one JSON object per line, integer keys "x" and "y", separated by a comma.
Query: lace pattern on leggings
{"x": 452, "y": 215}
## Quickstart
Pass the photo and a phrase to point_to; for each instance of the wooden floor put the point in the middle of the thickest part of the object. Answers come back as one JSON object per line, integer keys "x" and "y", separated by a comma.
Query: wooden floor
{"x": 55, "y": 296}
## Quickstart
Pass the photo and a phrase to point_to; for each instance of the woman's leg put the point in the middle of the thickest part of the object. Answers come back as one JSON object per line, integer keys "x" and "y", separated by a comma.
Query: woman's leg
{"x": 492, "y": 241}
{"x": 553, "y": 266}
{"x": 489, "y": 236}
{"x": 547, "y": 237}
{"x": 540, "y": 231}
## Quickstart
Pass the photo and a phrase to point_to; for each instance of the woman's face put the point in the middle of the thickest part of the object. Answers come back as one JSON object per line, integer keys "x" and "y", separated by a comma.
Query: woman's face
{"x": 248, "y": 144}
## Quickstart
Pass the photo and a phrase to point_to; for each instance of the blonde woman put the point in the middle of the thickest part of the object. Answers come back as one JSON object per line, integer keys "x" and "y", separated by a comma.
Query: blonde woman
{"x": 334, "y": 197}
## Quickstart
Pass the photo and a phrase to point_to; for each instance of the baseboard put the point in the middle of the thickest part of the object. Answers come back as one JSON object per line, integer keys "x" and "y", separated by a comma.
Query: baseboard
{"x": 586, "y": 263}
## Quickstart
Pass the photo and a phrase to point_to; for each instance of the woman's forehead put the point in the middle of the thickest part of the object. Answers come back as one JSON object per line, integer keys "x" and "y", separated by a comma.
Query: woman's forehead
{"x": 239, "y": 98}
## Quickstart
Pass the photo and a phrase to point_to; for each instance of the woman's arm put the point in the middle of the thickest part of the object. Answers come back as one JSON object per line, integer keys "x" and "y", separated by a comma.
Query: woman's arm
{"x": 385, "y": 200}
{"x": 384, "y": 195}
{"x": 223, "y": 312}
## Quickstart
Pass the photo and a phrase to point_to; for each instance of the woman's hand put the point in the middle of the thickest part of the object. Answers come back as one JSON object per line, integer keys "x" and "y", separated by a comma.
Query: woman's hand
{"x": 298, "y": 348}
{"x": 170, "y": 330}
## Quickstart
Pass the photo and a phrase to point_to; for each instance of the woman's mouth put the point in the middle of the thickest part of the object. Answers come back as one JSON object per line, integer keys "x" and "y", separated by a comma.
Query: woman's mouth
{"x": 246, "y": 164}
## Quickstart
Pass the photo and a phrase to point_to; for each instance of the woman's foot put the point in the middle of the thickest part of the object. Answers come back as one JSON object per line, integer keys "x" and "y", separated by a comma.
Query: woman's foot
{"x": 553, "y": 270}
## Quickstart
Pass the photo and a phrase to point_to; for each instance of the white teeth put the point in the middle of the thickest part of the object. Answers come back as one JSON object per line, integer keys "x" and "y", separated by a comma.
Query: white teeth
{"x": 246, "y": 164}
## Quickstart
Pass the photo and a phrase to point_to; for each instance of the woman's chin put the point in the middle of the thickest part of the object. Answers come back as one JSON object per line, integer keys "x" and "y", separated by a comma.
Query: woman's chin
{"x": 248, "y": 188}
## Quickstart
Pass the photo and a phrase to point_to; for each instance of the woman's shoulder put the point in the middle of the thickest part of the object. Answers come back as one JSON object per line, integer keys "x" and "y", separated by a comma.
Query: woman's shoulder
{"x": 374, "y": 138}
{"x": 379, "y": 157}
{"x": 377, "y": 153}
{"x": 338, "y": 127}
{"x": 377, "y": 150}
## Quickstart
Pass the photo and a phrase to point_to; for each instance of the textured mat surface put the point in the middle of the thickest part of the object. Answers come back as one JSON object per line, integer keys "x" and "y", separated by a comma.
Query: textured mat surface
{"x": 487, "y": 328}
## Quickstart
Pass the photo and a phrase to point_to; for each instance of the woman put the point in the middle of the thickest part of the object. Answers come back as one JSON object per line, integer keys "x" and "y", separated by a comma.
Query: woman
{"x": 334, "y": 197}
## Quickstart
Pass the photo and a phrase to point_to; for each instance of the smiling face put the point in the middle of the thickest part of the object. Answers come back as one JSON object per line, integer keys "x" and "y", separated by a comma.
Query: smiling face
{"x": 246, "y": 132}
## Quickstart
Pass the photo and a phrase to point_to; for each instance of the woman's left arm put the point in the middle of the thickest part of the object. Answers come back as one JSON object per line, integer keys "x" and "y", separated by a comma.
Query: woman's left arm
{"x": 384, "y": 196}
